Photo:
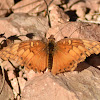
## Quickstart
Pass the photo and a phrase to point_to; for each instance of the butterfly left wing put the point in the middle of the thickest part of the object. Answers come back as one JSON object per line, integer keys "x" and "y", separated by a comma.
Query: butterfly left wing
{"x": 32, "y": 54}
{"x": 69, "y": 52}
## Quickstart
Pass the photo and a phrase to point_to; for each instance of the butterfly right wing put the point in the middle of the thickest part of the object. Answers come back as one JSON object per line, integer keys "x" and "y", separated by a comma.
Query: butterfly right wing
{"x": 69, "y": 52}
{"x": 31, "y": 54}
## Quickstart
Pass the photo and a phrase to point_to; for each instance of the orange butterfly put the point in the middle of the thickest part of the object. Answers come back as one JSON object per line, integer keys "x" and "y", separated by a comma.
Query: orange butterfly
{"x": 60, "y": 56}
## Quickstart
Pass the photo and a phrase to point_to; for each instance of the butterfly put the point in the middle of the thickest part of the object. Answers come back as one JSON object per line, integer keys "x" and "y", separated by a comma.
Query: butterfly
{"x": 57, "y": 57}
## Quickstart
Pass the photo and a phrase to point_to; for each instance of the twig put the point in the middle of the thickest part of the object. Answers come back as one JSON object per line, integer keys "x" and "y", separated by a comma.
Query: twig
{"x": 48, "y": 11}
{"x": 95, "y": 22}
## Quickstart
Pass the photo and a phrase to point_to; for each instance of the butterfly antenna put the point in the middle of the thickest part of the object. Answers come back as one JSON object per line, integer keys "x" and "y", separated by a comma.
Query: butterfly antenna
{"x": 48, "y": 12}
{"x": 60, "y": 31}
{"x": 74, "y": 31}
{"x": 3, "y": 79}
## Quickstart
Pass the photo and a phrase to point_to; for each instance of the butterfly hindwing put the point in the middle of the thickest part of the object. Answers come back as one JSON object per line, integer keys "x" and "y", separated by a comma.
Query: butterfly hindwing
{"x": 69, "y": 52}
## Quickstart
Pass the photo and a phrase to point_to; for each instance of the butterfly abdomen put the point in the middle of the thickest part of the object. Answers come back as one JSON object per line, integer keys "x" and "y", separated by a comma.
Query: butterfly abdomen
{"x": 50, "y": 52}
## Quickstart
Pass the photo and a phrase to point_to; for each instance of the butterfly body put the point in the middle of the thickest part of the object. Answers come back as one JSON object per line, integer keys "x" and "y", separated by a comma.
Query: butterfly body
{"x": 51, "y": 47}
{"x": 58, "y": 57}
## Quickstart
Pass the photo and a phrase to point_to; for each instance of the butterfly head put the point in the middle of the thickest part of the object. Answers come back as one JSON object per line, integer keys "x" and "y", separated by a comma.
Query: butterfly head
{"x": 51, "y": 38}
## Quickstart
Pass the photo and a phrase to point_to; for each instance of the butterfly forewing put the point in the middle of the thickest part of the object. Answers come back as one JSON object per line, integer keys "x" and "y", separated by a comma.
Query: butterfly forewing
{"x": 31, "y": 54}
{"x": 69, "y": 52}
